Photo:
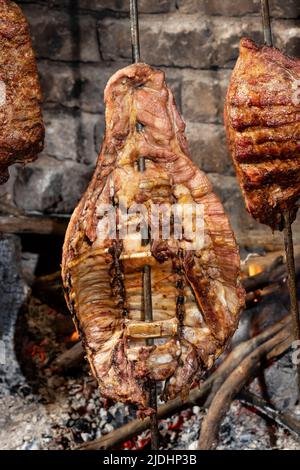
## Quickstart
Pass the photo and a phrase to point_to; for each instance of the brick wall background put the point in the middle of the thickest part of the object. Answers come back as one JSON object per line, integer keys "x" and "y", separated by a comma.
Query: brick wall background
{"x": 80, "y": 43}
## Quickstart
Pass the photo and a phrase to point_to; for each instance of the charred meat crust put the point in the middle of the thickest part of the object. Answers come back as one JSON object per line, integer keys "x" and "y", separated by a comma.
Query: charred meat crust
{"x": 21, "y": 125}
{"x": 262, "y": 118}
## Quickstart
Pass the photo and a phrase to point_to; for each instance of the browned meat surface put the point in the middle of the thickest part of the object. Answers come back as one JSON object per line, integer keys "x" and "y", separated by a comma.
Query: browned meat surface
{"x": 196, "y": 293}
{"x": 262, "y": 117}
{"x": 21, "y": 125}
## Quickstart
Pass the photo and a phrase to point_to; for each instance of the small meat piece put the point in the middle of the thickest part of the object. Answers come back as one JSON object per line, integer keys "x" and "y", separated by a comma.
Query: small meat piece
{"x": 21, "y": 125}
{"x": 196, "y": 291}
{"x": 262, "y": 118}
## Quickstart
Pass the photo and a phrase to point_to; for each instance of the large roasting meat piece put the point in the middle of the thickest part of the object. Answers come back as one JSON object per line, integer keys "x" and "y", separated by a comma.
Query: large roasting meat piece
{"x": 262, "y": 118}
{"x": 196, "y": 294}
{"x": 21, "y": 125}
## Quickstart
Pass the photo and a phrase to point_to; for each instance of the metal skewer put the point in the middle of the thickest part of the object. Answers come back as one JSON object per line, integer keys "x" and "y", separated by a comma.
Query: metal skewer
{"x": 148, "y": 311}
{"x": 292, "y": 285}
{"x": 265, "y": 13}
{"x": 287, "y": 230}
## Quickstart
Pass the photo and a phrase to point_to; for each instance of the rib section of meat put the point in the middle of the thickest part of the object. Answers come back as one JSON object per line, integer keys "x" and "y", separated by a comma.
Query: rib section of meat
{"x": 21, "y": 125}
{"x": 262, "y": 118}
{"x": 196, "y": 293}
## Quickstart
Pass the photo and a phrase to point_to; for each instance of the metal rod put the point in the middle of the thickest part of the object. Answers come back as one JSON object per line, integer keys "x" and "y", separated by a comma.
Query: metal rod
{"x": 134, "y": 27}
{"x": 150, "y": 341}
{"x": 147, "y": 295}
{"x": 141, "y": 162}
{"x": 292, "y": 284}
{"x": 265, "y": 13}
{"x": 136, "y": 56}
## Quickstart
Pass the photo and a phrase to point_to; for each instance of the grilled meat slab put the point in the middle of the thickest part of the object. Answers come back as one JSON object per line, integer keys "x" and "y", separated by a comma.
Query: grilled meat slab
{"x": 196, "y": 294}
{"x": 21, "y": 125}
{"x": 262, "y": 118}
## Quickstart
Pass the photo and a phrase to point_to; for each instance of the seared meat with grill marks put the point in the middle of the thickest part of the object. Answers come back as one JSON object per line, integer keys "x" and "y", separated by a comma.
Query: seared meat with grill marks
{"x": 262, "y": 118}
{"x": 21, "y": 125}
{"x": 196, "y": 293}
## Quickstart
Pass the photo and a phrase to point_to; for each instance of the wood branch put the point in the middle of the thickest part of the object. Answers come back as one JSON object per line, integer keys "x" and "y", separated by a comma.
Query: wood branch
{"x": 71, "y": 358}
{"x": 7, "y": 208}
{"x": 241, "y": 351}
{"x": 233, "y": 384}
{"x": 274, "y": 274}
{"x": 267, "y": 282}
{"x": 262, "y": 279}
{"x": 49, "y": 290}
{"x": 279, "y": 274}
{"x": 283, "y": 419}
{"x": 197, "y": 395}
{"x": 257, "y": 296}
{"x": 33, "y": 224}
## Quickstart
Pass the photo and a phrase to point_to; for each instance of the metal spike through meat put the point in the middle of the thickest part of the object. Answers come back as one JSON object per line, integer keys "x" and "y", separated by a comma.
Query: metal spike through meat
{"x": 135, "y": 44}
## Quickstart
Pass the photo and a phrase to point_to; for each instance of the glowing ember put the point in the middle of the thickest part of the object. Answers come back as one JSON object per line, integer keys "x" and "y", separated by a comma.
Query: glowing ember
{"x": 254, "y": 269}
{"x": 74, "y": 337}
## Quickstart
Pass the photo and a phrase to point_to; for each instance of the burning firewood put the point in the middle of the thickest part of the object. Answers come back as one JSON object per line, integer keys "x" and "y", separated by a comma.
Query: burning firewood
{"x": 71, "y": 358}
{"x": 233, "y": 384}
{"x": 265, "y": 343}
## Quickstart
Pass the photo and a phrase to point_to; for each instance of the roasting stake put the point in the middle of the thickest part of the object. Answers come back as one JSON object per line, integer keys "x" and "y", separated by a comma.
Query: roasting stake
{"x": 147, "y": 296}
{"x": 290, "y": 262}
{"x": 265, "y": 12}
{"x": 150, "y": 341}
{"x": 287, "y": 230}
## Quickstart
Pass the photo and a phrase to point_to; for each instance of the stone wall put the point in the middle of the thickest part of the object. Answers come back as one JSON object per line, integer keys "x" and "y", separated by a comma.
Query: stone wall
{"x": 80, "y": 43}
